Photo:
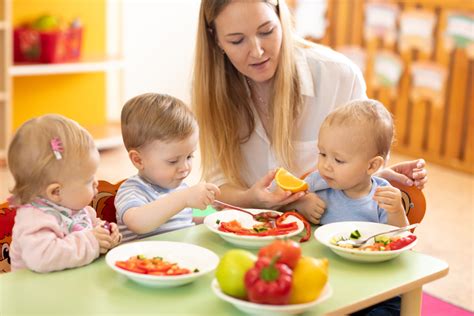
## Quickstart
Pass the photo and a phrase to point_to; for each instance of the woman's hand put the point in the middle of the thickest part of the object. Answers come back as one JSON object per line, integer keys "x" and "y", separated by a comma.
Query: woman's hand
{"x": 311, "y": 206}
{"x": 264, "y": 198}
{"x": 407, "y": 172}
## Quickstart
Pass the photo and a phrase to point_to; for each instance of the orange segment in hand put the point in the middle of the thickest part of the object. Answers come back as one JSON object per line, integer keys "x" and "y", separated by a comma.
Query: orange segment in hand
{"x": 289, "y": 182}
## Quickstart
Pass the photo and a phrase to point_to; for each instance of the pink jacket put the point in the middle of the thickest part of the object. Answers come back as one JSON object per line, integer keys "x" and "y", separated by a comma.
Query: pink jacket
{"x": 40, "y": 243}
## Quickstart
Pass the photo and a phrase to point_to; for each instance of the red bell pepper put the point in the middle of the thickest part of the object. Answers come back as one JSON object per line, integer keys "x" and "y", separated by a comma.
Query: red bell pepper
{"x": 307, "y": 226}
{"x": 269, "y": 282}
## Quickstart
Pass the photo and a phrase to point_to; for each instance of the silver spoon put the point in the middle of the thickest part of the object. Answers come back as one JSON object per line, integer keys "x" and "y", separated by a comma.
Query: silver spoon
{"x": 360, "y": 243}
{"x": 265, "y": 216}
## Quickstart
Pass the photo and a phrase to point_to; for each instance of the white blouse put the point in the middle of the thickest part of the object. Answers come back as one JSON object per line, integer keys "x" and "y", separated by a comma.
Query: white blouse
{"x": 328, "y": 79}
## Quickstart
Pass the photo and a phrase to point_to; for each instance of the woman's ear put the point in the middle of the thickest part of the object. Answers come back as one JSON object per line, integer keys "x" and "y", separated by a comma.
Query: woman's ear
{"x": 53, "y": 192}
{"x": 375, "y": 164}
{"x": 136, "y": 159}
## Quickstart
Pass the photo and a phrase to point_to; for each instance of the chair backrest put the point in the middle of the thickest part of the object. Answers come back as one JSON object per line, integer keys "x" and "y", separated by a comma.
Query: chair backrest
{"x": 414, "y": 202}
{"x": 7, "y": 219}
{"x": 103, "y": 202}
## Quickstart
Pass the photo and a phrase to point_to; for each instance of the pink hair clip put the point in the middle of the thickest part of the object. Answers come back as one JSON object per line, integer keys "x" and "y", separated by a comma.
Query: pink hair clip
{"x": 57, "y": 147}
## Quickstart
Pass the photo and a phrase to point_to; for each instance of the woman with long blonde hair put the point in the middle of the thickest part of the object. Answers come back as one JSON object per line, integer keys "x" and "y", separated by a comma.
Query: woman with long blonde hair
{"x": 260, "y": 95}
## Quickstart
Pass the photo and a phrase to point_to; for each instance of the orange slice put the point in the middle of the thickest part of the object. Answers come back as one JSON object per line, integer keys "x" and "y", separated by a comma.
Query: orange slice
{"x": 289, "y": 182}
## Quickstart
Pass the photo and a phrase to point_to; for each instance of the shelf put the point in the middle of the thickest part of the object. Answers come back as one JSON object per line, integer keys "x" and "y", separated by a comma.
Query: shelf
{"x": 82, "y": 66}
{"x": 106, "y": 136}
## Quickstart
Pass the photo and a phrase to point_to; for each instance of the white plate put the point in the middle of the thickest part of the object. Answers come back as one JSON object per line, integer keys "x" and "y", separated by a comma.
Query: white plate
{"x": 324, "y": 234}
{"x": 185, "y": 255}
{"x": 246, "y": 220}
{"x": 264, "y": 309}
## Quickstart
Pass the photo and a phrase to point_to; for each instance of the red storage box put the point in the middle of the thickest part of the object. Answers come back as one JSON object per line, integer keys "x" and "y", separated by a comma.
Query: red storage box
{"x": 46, "y": 47}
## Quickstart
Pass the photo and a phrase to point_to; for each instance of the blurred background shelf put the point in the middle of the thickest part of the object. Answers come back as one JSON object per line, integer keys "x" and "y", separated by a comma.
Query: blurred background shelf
{"x": 83, "y": 66}
{"x": 88, "y": 91}
{"x": 107, "y": 135}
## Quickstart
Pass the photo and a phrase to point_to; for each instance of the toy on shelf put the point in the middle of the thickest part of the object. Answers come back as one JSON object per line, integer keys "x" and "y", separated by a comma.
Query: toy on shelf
{"x": 47, "y": 40}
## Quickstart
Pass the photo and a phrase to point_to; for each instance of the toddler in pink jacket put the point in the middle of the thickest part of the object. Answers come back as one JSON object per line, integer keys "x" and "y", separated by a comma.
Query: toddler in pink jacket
{"x": 53, "y": 161}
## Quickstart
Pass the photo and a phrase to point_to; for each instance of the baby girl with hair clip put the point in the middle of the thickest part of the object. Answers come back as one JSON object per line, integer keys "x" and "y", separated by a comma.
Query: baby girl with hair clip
{"x": 53, "y": 161}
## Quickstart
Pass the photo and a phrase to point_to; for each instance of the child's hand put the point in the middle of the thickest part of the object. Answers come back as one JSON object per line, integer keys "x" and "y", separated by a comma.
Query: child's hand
{"x": 389, "y": 198}
{"x": 201, "y": 195}
{"x": 103, "y": 237}
{"x": 311, "y": 206}
{"x": 114, "y": 233}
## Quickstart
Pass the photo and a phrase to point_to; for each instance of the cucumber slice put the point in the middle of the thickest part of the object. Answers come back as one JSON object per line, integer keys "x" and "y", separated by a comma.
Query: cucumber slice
{"x": 355, "y": 234}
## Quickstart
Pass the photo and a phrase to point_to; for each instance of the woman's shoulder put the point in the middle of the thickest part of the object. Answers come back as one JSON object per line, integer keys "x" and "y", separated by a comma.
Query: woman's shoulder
{"x": 325, "y": 56}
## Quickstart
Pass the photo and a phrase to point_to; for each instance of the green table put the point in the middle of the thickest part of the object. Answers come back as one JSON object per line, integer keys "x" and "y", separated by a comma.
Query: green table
{"x": 98, "y": 290}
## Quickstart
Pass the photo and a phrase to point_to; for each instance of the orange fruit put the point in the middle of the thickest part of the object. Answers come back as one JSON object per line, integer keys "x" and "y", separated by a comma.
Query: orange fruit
{"x": 289, "y": 182}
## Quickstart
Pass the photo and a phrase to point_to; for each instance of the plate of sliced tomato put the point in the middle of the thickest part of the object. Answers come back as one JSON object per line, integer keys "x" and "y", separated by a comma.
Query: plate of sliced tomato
{"x": 241, "y": 229}
{"x": 161, "y": 263}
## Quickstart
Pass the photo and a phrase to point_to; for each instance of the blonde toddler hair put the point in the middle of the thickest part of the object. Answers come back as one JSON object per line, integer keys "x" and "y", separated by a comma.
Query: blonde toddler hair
{"x": 31, "y": 159}
{"x": 372, "y": 116}
{"x": 152, "y": 116}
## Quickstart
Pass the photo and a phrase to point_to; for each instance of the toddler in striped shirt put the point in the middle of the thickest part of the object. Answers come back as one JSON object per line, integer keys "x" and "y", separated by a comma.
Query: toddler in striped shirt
{"x": 161, "y": 135}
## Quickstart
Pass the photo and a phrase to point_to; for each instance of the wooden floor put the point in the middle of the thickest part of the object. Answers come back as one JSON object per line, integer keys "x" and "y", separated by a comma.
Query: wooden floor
{"x": 446, "y": 231}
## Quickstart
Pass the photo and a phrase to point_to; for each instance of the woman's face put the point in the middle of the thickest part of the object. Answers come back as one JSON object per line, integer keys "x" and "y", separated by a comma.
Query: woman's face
{"x": 250, "y": 34}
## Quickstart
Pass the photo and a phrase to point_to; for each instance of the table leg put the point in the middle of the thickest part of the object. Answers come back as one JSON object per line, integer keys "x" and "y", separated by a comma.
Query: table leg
{"x": 411, "y": 302}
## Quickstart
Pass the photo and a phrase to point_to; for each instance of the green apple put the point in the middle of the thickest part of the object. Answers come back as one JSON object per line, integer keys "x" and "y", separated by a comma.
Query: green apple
{"x": 231, "y": 271}
{"x": 46, "y": 23}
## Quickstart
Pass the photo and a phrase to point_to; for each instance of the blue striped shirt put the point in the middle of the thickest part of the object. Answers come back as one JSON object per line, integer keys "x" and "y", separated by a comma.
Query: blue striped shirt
{"x": 136, "y": 192}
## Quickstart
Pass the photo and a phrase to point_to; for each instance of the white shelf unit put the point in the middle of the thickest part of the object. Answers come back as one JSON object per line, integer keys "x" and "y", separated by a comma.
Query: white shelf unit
{"x": 82, "y": 66}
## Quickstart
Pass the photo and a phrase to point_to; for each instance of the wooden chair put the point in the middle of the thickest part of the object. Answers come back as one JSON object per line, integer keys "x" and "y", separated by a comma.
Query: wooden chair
{"x": 103, "y": 202}
{"x": 7, "y": 219}
{"x": 414, "y": 202}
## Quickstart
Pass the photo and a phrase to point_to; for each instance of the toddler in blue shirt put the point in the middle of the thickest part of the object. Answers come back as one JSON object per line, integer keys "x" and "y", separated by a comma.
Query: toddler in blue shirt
{"x": 354, "y": 143}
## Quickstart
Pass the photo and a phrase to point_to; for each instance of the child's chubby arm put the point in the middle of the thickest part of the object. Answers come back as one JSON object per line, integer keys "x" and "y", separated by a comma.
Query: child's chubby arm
{"x": 147, "y": 218}
{"x": 390, "y": 199}
{"x": 45, "y": 248}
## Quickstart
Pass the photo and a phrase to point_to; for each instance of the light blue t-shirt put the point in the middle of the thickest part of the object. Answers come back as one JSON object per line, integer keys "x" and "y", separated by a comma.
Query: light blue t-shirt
{"x": 340, "y": 207}
{"x": 136, "y": 192}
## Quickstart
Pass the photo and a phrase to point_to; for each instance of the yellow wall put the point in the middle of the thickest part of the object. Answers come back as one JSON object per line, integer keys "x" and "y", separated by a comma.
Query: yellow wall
{"x": 78, "y": 96}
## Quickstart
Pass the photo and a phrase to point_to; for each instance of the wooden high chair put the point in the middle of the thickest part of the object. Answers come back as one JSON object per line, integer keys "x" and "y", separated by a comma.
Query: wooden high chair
{"x": 413, "y": 200}
{"x": 7, "y": 219}
{"x": 103, "y": 202}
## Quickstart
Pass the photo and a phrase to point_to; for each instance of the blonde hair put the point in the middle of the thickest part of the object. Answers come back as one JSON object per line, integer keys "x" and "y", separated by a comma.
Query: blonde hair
{"x": 31, "y": 159}
{"x": 372, "y": 116}
{"x": 223, "y": 106}
{"x": 152, "y": 116}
